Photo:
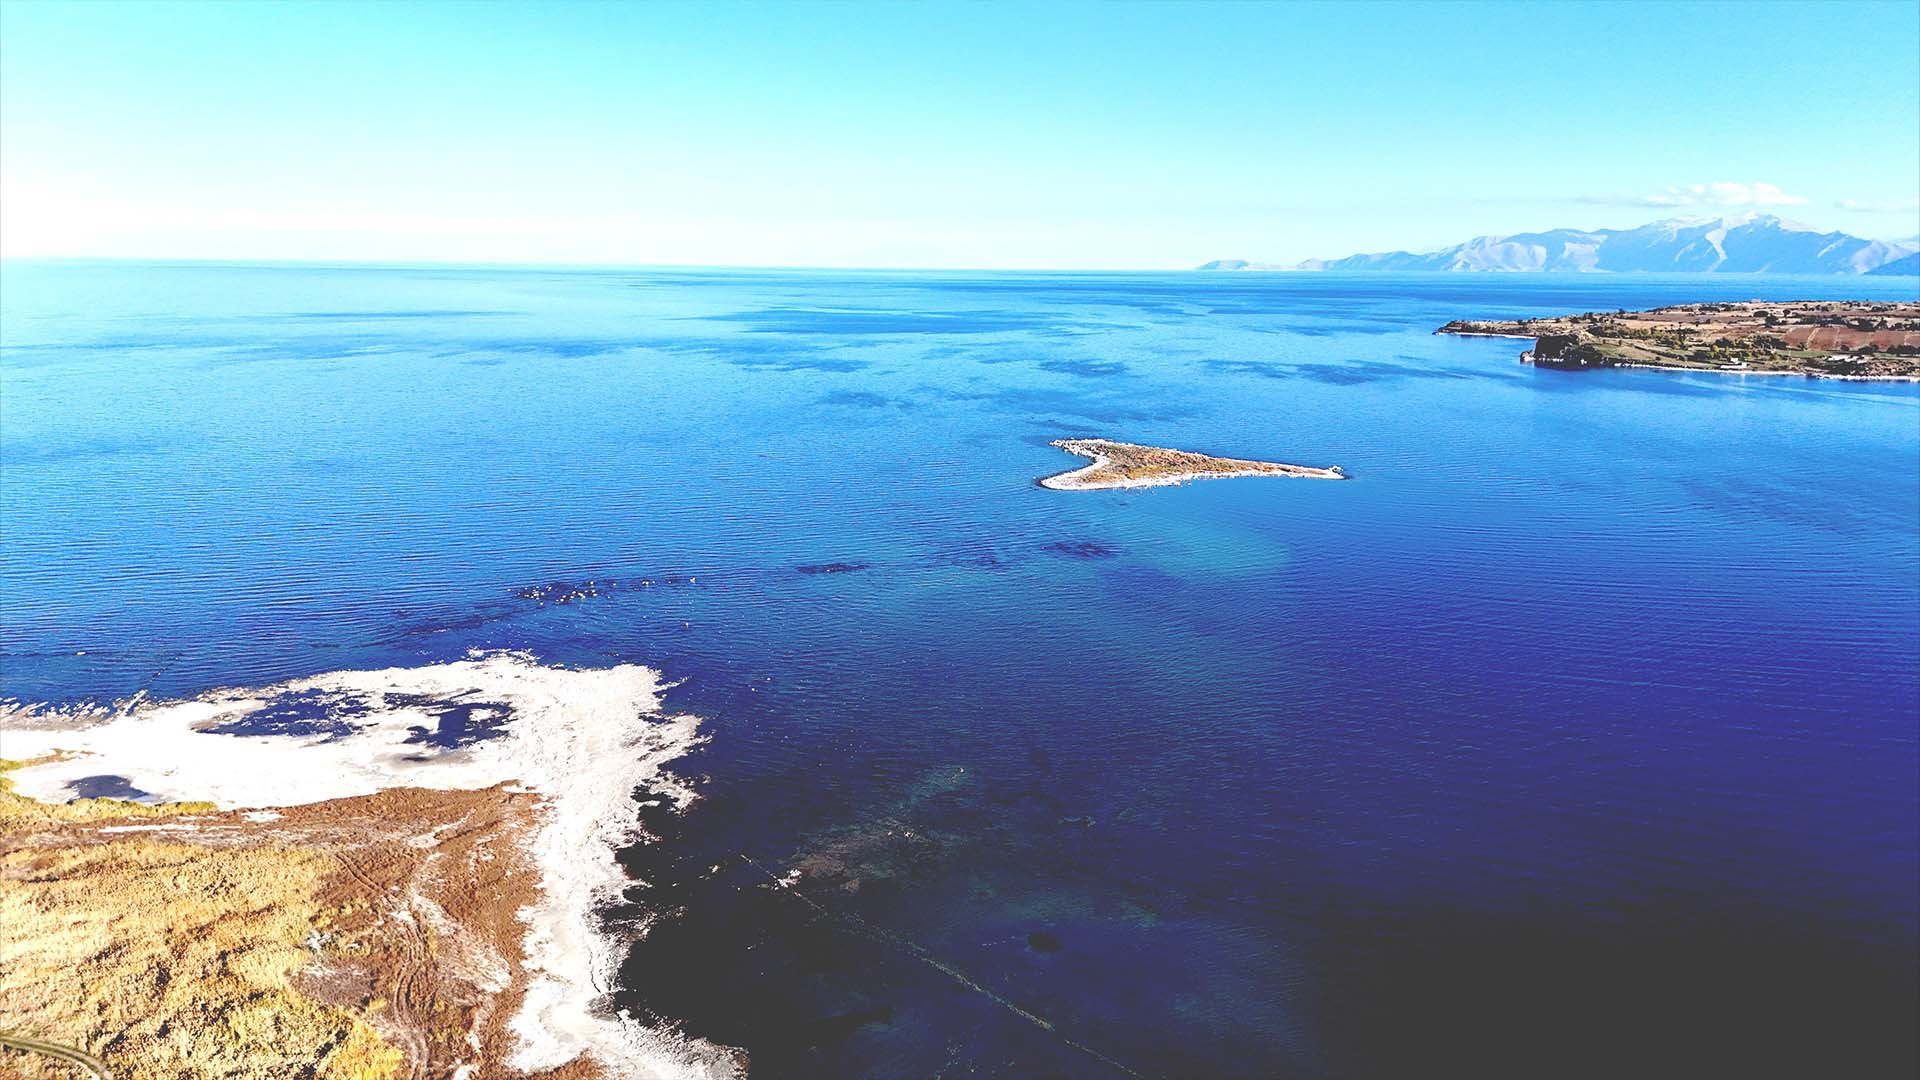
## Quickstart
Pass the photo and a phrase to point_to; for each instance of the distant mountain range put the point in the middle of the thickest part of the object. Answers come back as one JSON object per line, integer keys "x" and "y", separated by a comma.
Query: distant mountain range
{"x": 1908, "y": 265}
{"x": 1749, "y": 244}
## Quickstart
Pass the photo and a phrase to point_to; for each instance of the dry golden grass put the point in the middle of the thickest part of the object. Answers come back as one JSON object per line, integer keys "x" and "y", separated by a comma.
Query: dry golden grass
{"x": 172, "y": 960}
{"x": 323, "y": 942}
{"x": 20, "y": 1065}
{"x": 168, "y": 960}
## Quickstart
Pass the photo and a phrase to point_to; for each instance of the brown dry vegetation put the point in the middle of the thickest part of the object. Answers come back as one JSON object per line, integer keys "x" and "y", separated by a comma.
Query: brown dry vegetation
{"x": 358, "y": 939}
{"x": 1129, "y": 464}
{"x": 1869, "y": 339}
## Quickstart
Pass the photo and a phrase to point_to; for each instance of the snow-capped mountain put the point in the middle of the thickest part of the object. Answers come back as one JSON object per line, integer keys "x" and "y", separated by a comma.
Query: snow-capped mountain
{"x": 1749, "y": 244}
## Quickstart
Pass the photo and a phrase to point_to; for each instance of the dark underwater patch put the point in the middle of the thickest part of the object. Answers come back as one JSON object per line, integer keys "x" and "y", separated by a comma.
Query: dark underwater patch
{"x": 1333, "y": 328}
{"x": 410, "y": 623}
{"x": 1335, "y": 376}
{"x": 833, "y": 568}
{"x": 131, "y": 344}
{"x": 457, "y": 723}
{"x": 301, "y": 714}
{"x": 22, "y": 453}
{"x": 308, "y": 352}
{"x": 472, "y": 620}
{"x": 862, "y": 399}
{"x": 572, "y": 592}
{"x": 832, "y": 1030}
{"x": 105, "y": 787}
{"x": 1043, "y": 941}
{"x": 561, "y": 348}
{"x": 1086, "y": 369}
{"x": 323, "y": 316}
{"x": 831, "y": 364}
{"x": 1387, "y": 369}
{"x": 972, "y": 557}
{"x": 1353, "y": 373}
{"x": 859, "y": 322}
{"x": 758, "y": 353}
{"x": 1262, "y": 368}
{"x": 1082, "y": 549}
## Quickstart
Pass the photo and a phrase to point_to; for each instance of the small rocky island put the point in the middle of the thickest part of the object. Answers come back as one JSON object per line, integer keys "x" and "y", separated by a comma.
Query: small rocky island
{"x": 1126, "y": 465}
{"x": 1839, "y": 339}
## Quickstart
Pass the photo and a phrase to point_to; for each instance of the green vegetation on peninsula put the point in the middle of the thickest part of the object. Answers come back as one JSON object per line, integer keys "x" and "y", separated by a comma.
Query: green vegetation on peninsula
{"x": 1852, "y": 339}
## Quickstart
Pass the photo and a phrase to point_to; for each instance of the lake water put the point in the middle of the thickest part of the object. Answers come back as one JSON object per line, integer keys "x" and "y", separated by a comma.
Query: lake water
{"x": 1575, "y": 735}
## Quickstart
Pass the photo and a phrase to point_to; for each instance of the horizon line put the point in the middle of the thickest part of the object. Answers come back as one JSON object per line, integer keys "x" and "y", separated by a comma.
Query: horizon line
{"x": 432, "y": 264}
{"x": 424, "y": 263}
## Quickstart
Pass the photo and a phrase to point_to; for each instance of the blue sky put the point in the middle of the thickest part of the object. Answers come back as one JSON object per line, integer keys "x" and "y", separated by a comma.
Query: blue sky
{"x": 1008, "y": 135}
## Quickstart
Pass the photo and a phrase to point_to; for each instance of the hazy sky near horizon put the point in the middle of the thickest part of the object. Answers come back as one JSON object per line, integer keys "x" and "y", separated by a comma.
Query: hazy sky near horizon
{"x": 935, "y": 135}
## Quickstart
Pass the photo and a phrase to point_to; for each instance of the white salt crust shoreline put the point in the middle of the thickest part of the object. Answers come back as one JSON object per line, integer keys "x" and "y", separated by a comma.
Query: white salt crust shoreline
{"x": 583, "y": 739}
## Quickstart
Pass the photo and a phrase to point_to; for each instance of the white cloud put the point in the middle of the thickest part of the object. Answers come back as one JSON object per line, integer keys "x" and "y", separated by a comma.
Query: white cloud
{"x": 1722, "y": 193}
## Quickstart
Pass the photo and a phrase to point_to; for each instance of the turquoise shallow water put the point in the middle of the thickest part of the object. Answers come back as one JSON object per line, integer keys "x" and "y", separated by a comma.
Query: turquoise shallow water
{"x": 1577, "y": 730}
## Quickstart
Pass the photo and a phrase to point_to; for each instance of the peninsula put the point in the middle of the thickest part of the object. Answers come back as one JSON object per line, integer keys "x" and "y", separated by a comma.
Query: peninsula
{"x": 1838, "y": 339}
{"x": 1128, "y": 465}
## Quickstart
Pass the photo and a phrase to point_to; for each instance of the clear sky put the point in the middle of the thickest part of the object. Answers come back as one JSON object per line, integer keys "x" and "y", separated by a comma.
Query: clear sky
{"x": 994, "y": 135}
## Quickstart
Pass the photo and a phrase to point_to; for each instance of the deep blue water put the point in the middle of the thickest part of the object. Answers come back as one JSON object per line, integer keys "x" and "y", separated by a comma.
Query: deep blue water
{"x": 1576, "y": 735}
